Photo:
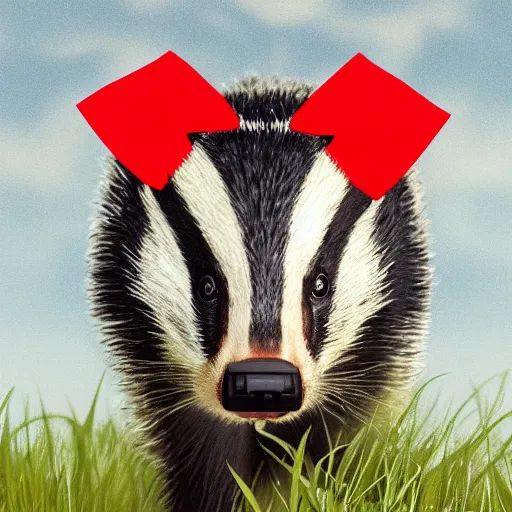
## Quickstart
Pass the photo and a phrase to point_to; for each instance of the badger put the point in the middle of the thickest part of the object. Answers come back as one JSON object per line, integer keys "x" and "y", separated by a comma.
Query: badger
{"x": 257, "y": 248}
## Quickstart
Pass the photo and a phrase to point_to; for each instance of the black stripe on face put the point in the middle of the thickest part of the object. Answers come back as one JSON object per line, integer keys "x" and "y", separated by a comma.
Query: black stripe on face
{"x": 212, "y": 315}
{"x": 326, "y": 261}
{"x": 387, "y": 334}
{"x": 263, "y": 172}
{"x": 127, "y": 319}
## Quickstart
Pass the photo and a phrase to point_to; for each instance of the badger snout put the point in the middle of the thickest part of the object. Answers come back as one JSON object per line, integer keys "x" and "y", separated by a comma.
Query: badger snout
{"x": 261, "y": 388}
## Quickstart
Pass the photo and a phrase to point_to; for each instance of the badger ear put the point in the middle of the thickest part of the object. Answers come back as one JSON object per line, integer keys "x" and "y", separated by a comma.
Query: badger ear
{"x": 380, "y": 126}
{"x": 145, "y": 117}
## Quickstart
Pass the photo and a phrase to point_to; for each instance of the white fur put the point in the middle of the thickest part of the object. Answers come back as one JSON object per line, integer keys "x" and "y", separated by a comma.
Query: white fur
{"x": 164, "y": 285}
{"x": 200, "y": 185}
{"x": 359, "y": 289}
{"x": 321, "y": 194}
{"x": 258, "y": 125}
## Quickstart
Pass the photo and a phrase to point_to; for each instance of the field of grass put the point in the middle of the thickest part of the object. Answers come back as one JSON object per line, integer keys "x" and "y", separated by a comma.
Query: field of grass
{"x": 416, "y": 465}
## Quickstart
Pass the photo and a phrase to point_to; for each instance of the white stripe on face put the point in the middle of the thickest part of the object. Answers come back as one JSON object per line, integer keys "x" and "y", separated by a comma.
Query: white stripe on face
{"x": 164, "y": 284}
{"x": 200, "y": 185}
{"x": 321, "y": 194}
{"x": 359, "y": 289}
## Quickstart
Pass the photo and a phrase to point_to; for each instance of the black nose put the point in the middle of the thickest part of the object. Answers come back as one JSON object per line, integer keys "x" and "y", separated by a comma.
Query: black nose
{"x": 262, "y": 385}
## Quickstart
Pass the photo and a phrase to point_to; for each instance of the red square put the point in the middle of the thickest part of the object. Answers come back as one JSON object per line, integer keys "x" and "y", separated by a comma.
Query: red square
{"x": 380, "y": 125}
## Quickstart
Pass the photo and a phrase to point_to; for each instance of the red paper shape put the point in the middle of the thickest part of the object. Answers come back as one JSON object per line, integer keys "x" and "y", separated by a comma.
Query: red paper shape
{"x": 144, "y": 117}
{"x": 380, "y": 125}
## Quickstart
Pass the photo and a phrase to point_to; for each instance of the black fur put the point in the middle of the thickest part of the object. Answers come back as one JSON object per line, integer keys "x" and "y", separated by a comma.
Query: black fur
{"x": 398, "y": 237}
{"x": 263, "y": 182}
{"x": 213, "y": 317}
{"x": 120, "y": 233}
{"x": 263, "y": 172}
{"x": 327, "y": 261}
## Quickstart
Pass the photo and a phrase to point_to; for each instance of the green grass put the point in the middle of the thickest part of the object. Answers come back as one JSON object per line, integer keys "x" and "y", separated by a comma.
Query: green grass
{"x": 84, "y": 467}
{"x": 417, "y": 464}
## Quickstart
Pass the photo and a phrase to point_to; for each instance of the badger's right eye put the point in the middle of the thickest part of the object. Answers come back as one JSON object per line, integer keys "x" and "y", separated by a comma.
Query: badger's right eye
{"x": 320, "y": 287}
{"x": 207, "y": 289}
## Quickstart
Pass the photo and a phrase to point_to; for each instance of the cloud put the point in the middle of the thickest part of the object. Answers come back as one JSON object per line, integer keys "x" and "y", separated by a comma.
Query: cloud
{"x": 145, "y": 5}
{"x": 47, "y": 154}
{"x": 390, "y": 35}
{"x": 473, "y": 151}
{"x": 401, "y": 32}
{"x": 466, "y": 173}
{"x": 287, "y": 13}
{"x": 117, "y": 54}
{"x": 44, "y": 156}
{"x": 4, "y": 42}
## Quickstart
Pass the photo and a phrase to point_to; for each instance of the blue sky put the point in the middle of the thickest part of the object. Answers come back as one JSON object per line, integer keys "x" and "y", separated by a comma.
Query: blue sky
{"x": 458, "y": 53}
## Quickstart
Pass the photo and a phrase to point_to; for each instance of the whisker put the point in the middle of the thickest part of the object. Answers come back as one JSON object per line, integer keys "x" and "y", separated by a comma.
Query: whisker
{"x": 355, "y": 393}
{"x": 351, "y": 411}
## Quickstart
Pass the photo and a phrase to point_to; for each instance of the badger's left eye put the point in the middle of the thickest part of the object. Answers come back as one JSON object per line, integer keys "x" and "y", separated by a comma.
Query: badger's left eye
{"x": 320, "y": 286}
{"x": 207, "y": 289}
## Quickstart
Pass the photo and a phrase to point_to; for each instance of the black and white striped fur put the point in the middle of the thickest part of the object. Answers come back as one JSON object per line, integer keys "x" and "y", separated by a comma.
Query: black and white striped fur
{"x": 264, "y": 210}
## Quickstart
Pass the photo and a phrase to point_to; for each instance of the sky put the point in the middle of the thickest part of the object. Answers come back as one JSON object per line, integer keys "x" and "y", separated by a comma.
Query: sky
{"x": 458, "y": 53}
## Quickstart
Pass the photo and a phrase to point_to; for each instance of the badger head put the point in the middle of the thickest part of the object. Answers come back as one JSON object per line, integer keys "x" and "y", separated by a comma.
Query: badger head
{"x": 257, "y": 247}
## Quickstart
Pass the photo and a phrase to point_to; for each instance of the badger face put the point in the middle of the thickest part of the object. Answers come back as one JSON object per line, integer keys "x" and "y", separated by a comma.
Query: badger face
{"x": 257, "y": 247}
